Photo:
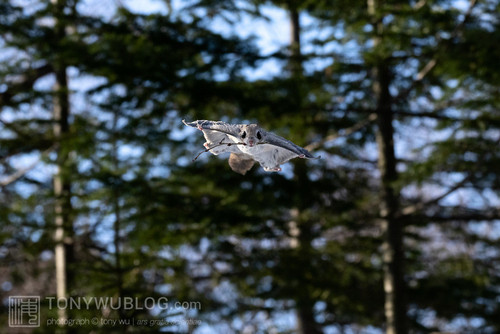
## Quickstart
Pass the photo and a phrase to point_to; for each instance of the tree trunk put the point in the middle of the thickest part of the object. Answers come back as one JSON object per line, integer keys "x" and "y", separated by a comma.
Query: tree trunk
{"x": 295, "y": 57}
{"x": 306, "y": 323}
{"x": 63, "y": 236}
{"x": 392, "y": 229}
{"x": 117, "y": 223}
{"x": 62, "y": 187}
{"x": 392, "y": 247}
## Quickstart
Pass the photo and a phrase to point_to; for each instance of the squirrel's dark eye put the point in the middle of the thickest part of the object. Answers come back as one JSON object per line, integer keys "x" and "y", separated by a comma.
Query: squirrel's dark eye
{"x": 259, "y": 136}
{"x": 244, "y": 134}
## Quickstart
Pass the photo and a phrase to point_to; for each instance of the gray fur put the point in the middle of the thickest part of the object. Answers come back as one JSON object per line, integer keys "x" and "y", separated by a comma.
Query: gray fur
{"x": 247, "y": 142}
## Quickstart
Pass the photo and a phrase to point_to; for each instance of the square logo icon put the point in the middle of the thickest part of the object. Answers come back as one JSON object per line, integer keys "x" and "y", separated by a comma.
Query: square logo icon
{"x": 24, "y": 311}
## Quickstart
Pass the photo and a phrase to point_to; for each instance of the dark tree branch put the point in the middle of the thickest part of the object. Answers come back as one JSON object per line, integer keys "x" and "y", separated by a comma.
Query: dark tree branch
{"x": 21, "y": 172}
{"x": 429, "y": 66}
{"x": 469, "y": 215}
{"x": 25, "y": 83}
{"x": 410, "y": 210}
{"x": 343, "y": 133}
{"x": 428, "y": 114}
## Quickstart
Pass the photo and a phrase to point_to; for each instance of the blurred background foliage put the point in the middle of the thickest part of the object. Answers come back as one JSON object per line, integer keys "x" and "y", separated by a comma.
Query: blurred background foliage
{"x": 396, "y": 228}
